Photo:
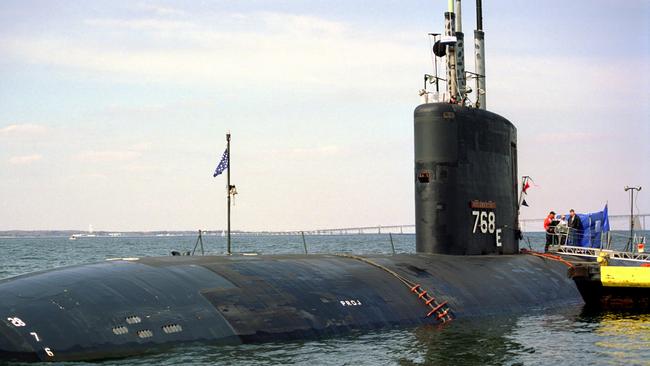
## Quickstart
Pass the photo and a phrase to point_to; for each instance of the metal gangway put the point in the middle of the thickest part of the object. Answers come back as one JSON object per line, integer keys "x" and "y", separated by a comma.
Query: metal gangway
{"x": 596, "y": 252}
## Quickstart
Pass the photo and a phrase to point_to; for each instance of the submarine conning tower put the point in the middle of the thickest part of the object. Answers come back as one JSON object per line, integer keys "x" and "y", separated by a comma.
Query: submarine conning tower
{"x": 465, "y": 181}
{"x": 465, "y": 158}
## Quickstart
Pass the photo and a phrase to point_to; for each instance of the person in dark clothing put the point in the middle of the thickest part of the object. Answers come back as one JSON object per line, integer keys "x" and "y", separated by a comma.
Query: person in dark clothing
{"x": 550, "y": 229}
{"x": 575, "y": 226}
{"x": 553, "y": 228}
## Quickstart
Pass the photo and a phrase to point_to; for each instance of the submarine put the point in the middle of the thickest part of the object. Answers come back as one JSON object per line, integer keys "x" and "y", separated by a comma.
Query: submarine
{"x": 467, "y": 262}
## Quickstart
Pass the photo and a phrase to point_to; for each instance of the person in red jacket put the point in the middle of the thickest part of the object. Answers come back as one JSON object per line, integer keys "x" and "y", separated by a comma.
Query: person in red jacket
{"x": 550, "y": 230}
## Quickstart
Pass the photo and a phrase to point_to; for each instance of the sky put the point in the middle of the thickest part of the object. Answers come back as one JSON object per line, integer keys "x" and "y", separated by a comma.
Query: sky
{"x": 114, "y": 113}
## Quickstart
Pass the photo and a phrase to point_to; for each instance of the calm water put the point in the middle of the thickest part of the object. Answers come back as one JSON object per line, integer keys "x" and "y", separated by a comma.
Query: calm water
{"x": 564, "y": 337}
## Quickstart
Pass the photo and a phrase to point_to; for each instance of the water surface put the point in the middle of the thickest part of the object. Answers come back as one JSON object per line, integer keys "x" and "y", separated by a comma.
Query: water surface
{"x": 567, "y": 336}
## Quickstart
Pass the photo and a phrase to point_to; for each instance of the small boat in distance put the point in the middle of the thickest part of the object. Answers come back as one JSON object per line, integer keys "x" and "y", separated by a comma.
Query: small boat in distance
{"x": 90, "y": 234}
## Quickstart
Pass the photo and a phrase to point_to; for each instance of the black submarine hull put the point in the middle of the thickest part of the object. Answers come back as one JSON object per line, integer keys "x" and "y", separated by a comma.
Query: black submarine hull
{"x": 125, "y": 307}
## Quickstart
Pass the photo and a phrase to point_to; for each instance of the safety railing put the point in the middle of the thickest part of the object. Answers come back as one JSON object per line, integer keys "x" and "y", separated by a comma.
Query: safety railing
{"x": 596, "y": 252}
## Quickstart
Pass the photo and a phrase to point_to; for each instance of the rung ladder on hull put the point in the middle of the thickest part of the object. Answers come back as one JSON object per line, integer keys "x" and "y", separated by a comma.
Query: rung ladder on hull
{"x": 440, "y": 309}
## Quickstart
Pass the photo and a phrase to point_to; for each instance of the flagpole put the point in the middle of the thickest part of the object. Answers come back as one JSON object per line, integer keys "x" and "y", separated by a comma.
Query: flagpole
{"x": 521, "y": 194}
{"x": 521, "y": 199}
{"x": 228, "y": 187}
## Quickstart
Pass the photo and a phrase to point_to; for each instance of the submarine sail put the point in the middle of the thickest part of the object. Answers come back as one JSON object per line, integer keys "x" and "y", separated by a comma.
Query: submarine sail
{"x": 465, "y": 158}
{"x": 465, "y": 181}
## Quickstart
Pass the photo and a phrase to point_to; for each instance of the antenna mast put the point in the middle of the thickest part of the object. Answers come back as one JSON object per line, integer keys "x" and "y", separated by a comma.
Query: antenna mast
{"x": 451, "y": 45}
{"x": 479, "y": 55}
{"x": 460, "y": 54}
{"x": 632, "y": 189}
{"x": 450, "y": 40}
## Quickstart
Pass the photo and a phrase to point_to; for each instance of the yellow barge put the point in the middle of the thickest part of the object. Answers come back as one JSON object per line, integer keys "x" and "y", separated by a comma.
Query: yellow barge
{"x": 620, "y": 276}
{"x": 613, "y": 286}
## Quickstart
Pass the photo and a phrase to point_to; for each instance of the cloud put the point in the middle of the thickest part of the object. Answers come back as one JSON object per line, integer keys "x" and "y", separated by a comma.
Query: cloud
{"x": 267, "y": 49}
{"x": 300, "y": 24}
{"x": 304, "y": 152}
{"x": 564, "y": 137}
{"x": 141, "y": 146}
{"x": 161, "y": 10}
{"x": 108, "y": 156}
{"x": 21, "y": 130}
{"x": 316, "y": 151}
{"x": 141, "y": 24}
{"x": 282, "y": 50}
{"x": 270, "y": 21}
{"x": 537, "y": 82}
{"x": 25, "y": 159}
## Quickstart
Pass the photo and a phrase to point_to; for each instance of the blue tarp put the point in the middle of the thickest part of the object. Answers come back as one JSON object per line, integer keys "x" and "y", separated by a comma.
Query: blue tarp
{"x": 594, "y": 225}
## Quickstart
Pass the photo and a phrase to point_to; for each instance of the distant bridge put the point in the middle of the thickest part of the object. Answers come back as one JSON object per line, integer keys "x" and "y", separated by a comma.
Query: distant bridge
{"x": 380, "y": 229}
{"x": 617, "y": 222}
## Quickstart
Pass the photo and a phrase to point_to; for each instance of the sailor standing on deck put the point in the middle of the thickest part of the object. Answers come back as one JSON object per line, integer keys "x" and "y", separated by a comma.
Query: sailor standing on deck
{"x": 575, "y": 225}
{"x": 550, "y": 229}
{"x": 562, "y": 230}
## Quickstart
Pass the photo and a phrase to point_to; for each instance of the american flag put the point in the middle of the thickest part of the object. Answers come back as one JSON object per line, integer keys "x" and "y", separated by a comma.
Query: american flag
{"x": 223, "y": 164}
